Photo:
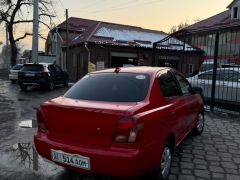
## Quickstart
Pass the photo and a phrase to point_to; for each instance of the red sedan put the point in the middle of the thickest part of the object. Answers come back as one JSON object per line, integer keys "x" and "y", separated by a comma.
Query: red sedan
{"x": 120, "y": 122}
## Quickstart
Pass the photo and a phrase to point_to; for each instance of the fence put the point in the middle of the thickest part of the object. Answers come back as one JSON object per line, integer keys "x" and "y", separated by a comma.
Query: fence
{"x": 217, "y": 72}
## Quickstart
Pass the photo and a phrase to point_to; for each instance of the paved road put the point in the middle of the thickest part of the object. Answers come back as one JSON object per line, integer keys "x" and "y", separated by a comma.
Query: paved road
{"x": 214, "y": 155}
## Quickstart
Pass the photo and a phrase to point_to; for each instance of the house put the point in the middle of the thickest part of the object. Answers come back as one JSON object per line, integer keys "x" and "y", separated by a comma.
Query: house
{"x": 227, "y": 24}
{"x": 105, "y": 45}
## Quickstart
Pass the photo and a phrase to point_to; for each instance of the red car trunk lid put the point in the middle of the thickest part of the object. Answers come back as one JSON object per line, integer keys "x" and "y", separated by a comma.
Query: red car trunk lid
{"x": 84, "y": 122}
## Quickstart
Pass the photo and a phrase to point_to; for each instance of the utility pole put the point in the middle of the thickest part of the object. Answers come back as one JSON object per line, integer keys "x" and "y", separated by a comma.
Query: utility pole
{"x": 56, "y": 41}
{"x": 7, "y": 43}
{"x": 8, "y": 50}
{"x": 67, "y": 43}
{"x": 214, "y": 76}
{"x": 35, "y": 32}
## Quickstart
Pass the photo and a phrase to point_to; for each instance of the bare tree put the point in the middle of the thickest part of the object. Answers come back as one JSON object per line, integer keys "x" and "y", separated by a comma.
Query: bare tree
{"x": 182, "y": 25}
{"x": 14, "y": 13}
{"x": 178, "y": 27}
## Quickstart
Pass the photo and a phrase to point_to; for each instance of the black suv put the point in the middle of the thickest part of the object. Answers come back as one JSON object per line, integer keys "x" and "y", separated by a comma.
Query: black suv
{"x": 42, "y": 74}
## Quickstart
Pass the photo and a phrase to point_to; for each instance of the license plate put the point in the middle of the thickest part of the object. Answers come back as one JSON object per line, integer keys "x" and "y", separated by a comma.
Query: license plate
{"x": 75, "y": 160}
{"x": 30, "y": 75}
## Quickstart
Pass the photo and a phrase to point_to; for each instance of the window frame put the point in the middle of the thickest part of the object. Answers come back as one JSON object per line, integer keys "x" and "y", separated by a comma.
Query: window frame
{"x": 189, "y": 68}
{"x": 235, "y": 12}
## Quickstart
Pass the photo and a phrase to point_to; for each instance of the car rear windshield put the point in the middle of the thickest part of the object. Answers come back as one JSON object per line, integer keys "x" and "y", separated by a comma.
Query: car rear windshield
{"x": 17, "y": 67}
{"x": 111, "y": 87}
{"x": 33, "y": 67}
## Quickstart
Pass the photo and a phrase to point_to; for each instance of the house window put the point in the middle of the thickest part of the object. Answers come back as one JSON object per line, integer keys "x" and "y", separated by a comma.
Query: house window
{"x": 235, "y": 12}
{"x": 189, "y": 68}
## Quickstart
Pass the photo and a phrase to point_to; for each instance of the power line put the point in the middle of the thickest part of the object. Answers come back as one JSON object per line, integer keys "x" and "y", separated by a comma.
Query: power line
{"x": 126, "y": 6}
{"x": 62, "y": 4}
{"x": 93, "y": 3}
{"x": 117, "y": 5}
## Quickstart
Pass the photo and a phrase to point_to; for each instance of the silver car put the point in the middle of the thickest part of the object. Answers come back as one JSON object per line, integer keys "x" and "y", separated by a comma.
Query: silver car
{"x": 13, "y": 76}
{"x": 227, "y": 84}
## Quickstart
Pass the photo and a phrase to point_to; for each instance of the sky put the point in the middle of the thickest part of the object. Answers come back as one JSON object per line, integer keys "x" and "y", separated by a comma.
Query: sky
{"x": 150, "y": 14}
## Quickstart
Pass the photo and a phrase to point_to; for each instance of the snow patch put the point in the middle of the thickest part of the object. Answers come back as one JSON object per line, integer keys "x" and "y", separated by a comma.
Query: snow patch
{"x": 139, "y": 37}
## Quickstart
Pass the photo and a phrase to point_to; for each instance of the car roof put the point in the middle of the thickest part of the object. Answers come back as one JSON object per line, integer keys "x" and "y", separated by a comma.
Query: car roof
{"x": 44, "y": 64}
{"x": 219, "y": 61}
{"x": 136, "y": 69}
{"x": 230, "y": 68}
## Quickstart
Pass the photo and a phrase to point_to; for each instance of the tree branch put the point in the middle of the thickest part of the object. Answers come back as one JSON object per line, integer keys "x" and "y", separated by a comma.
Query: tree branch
{"x": 30, "y": 4}
{"x": 45, "y": 14}
{"x": 22, "y": 21}
{"x": 25, "y": 35}
{"x": 45, "y": 24}
{"x": 42, "y": 37}
{"x": 29, "y": 34}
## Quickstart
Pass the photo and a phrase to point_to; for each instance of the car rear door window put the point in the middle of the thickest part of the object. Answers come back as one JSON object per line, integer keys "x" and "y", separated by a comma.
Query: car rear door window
{"x": 111, "y": 87}
{"x": 206, "y": 76}
{"x": 57, "y": 68}
{"x": 52, "y": 68}
{"x": 168, "y": 85}
{"x": 33, "y": 67}
{"x": 184, "y": 84}
{"x": 233, "y": 76}
{"x": 17, "y": 67}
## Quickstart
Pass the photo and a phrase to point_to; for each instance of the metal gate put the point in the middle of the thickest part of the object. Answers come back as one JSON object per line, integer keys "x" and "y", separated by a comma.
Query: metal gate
{"x": 217, "y": 71}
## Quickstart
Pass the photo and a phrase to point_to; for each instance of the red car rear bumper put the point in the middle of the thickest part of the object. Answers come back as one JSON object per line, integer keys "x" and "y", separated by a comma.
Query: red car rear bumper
{"x": 111, "y": 161}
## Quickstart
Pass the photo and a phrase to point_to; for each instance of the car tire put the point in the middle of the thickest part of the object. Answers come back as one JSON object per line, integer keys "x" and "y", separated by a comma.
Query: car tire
{"x": 166, "y": 161}
{"x": 65, "y": 83}
{"x": 51, "y": 85}
{"x": 23, "y": 87}
{"x": 197, "y": 131}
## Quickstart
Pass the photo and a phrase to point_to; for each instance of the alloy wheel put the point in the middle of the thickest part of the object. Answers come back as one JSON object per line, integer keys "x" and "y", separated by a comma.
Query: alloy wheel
{"x": 166, "y": 162}
{"x": 200, "y": 123}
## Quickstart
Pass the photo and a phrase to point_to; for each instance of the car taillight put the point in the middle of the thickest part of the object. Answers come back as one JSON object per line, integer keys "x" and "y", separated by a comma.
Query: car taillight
{"x": 41, "y": 121}
{"x": 129, "y": 130}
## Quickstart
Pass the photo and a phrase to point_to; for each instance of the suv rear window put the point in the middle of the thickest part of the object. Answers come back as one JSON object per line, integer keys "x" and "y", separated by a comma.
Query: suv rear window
{"x": 17, "y": 67}
{"x": 33, "y": 67}
{"x": 111, "y": 87}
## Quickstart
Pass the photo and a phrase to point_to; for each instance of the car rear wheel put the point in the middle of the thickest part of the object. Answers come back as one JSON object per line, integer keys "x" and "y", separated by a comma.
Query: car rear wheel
{"x": 65, "y": 83}
{"x": 165, "y": 166}
{"x": 200, "y": 124}
{"x": 51, "y": 85}
{"x": 23, "y": 87}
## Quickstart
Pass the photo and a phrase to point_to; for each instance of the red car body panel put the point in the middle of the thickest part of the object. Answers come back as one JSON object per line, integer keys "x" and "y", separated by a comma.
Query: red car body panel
{"x": 71, "y": 128}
